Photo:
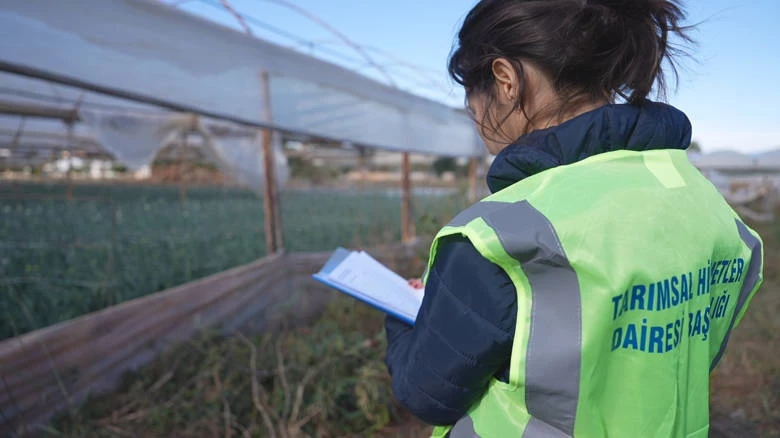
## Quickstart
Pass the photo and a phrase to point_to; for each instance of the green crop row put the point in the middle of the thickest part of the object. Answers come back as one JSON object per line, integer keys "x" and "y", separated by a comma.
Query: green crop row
{"x": 60, "y": 259}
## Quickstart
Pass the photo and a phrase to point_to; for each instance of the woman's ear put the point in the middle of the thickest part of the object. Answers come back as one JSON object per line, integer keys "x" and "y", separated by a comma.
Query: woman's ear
{"x": 507, "y": 82}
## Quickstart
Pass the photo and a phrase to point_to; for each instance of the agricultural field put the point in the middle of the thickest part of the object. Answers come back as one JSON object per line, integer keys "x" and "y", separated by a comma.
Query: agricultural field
{"x": 329, "y": 379}
{"x": 113, "y": 243}
{"x": 61, "y": 258}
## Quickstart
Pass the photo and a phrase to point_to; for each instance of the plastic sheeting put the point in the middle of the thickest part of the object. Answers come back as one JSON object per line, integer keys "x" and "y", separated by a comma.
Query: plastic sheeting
{"x": 135, "y": 140}
{"x": 147, "y": 48}
{"x": 243, "y": 158}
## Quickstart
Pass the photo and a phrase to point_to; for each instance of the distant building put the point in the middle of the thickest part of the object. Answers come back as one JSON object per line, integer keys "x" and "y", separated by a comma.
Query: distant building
{"x": 63, "y": 165}
{"x": 145, "y": 172}
{"x": 736, "y": 162}
{"x": 101, "y": 169}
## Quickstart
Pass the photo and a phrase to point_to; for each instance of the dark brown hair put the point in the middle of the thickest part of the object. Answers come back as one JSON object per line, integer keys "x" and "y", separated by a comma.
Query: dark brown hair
{"x": 590, "y": 49}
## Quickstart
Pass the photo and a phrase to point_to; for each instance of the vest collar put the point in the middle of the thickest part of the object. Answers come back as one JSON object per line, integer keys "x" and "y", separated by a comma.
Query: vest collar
{"x": 609, "y": 128}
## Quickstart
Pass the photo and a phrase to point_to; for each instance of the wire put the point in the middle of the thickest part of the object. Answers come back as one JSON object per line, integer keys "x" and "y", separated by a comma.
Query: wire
{"x": 357, "y": 47}
{"x": 366, "y": 58}
{"x": 271, "y": 28}
{"x": 240, "y": 18}
{"x": 421, "y": 77}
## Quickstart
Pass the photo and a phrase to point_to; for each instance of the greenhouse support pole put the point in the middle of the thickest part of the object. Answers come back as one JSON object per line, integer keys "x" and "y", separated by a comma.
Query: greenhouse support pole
{"x": 362, "y": 164}
{"x": 472, "y": 195}
{"x": 273, "y": 225}
{"x": 181, "y": 167}
{"x": 69, "y": 174}
{"x": 407, "y": 217}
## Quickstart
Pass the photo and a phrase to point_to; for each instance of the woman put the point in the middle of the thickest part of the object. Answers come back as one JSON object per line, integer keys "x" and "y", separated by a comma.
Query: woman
{"x": 593, "y": 292}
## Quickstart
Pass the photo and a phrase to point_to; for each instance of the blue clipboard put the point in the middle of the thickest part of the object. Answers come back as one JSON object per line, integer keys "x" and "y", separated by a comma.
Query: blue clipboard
{"x": 338, "y": 256}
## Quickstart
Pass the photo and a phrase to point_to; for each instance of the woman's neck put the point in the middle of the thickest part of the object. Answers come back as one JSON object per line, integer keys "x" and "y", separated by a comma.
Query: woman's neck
{"x": 561, "y": 112}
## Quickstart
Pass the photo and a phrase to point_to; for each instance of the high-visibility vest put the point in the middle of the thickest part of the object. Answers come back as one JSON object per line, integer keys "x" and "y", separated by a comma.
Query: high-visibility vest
{"x": 631, "y": 270}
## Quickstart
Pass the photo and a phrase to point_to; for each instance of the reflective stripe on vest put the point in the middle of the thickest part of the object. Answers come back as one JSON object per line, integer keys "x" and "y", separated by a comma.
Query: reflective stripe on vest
{"x": 483, "y": 208}
{"x": 751, "y": 280}
{"x": 464, "y": 429}
{"x": 535, "y": 429}
{"x": 552, "y": 368}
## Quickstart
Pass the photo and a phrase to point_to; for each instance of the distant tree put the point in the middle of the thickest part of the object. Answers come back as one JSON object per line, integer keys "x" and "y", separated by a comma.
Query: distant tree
{"x": 695, "y": 146}
{"x": 444, "y": 164}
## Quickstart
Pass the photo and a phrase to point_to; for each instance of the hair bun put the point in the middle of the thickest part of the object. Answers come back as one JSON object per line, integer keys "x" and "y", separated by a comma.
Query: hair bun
{"x": 591, "y": 49}
{"x": 633, "y": 9}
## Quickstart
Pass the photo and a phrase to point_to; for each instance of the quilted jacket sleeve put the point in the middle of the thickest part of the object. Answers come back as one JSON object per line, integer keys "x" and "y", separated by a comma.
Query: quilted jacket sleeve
{"x": 462, "y": 337}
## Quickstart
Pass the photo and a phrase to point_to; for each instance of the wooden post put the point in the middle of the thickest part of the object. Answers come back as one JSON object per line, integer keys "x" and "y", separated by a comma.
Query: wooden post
{"x": 407, "y": 217}
{"x": 69, "y": 177}
{"x": 182, "y": 167}
{"x": 273, "y": 222}
{"x": 362, "y": 164}
{"x": 111, "y": 254}
{"x": 472, "y": 194}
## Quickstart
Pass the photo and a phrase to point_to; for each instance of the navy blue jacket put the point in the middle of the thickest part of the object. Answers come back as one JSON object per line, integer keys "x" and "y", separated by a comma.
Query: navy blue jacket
{"x": 464, "y": 331}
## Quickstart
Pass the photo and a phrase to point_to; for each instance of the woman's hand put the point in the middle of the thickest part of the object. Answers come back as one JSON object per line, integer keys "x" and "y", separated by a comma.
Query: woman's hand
{"x": 416, "y": 283}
